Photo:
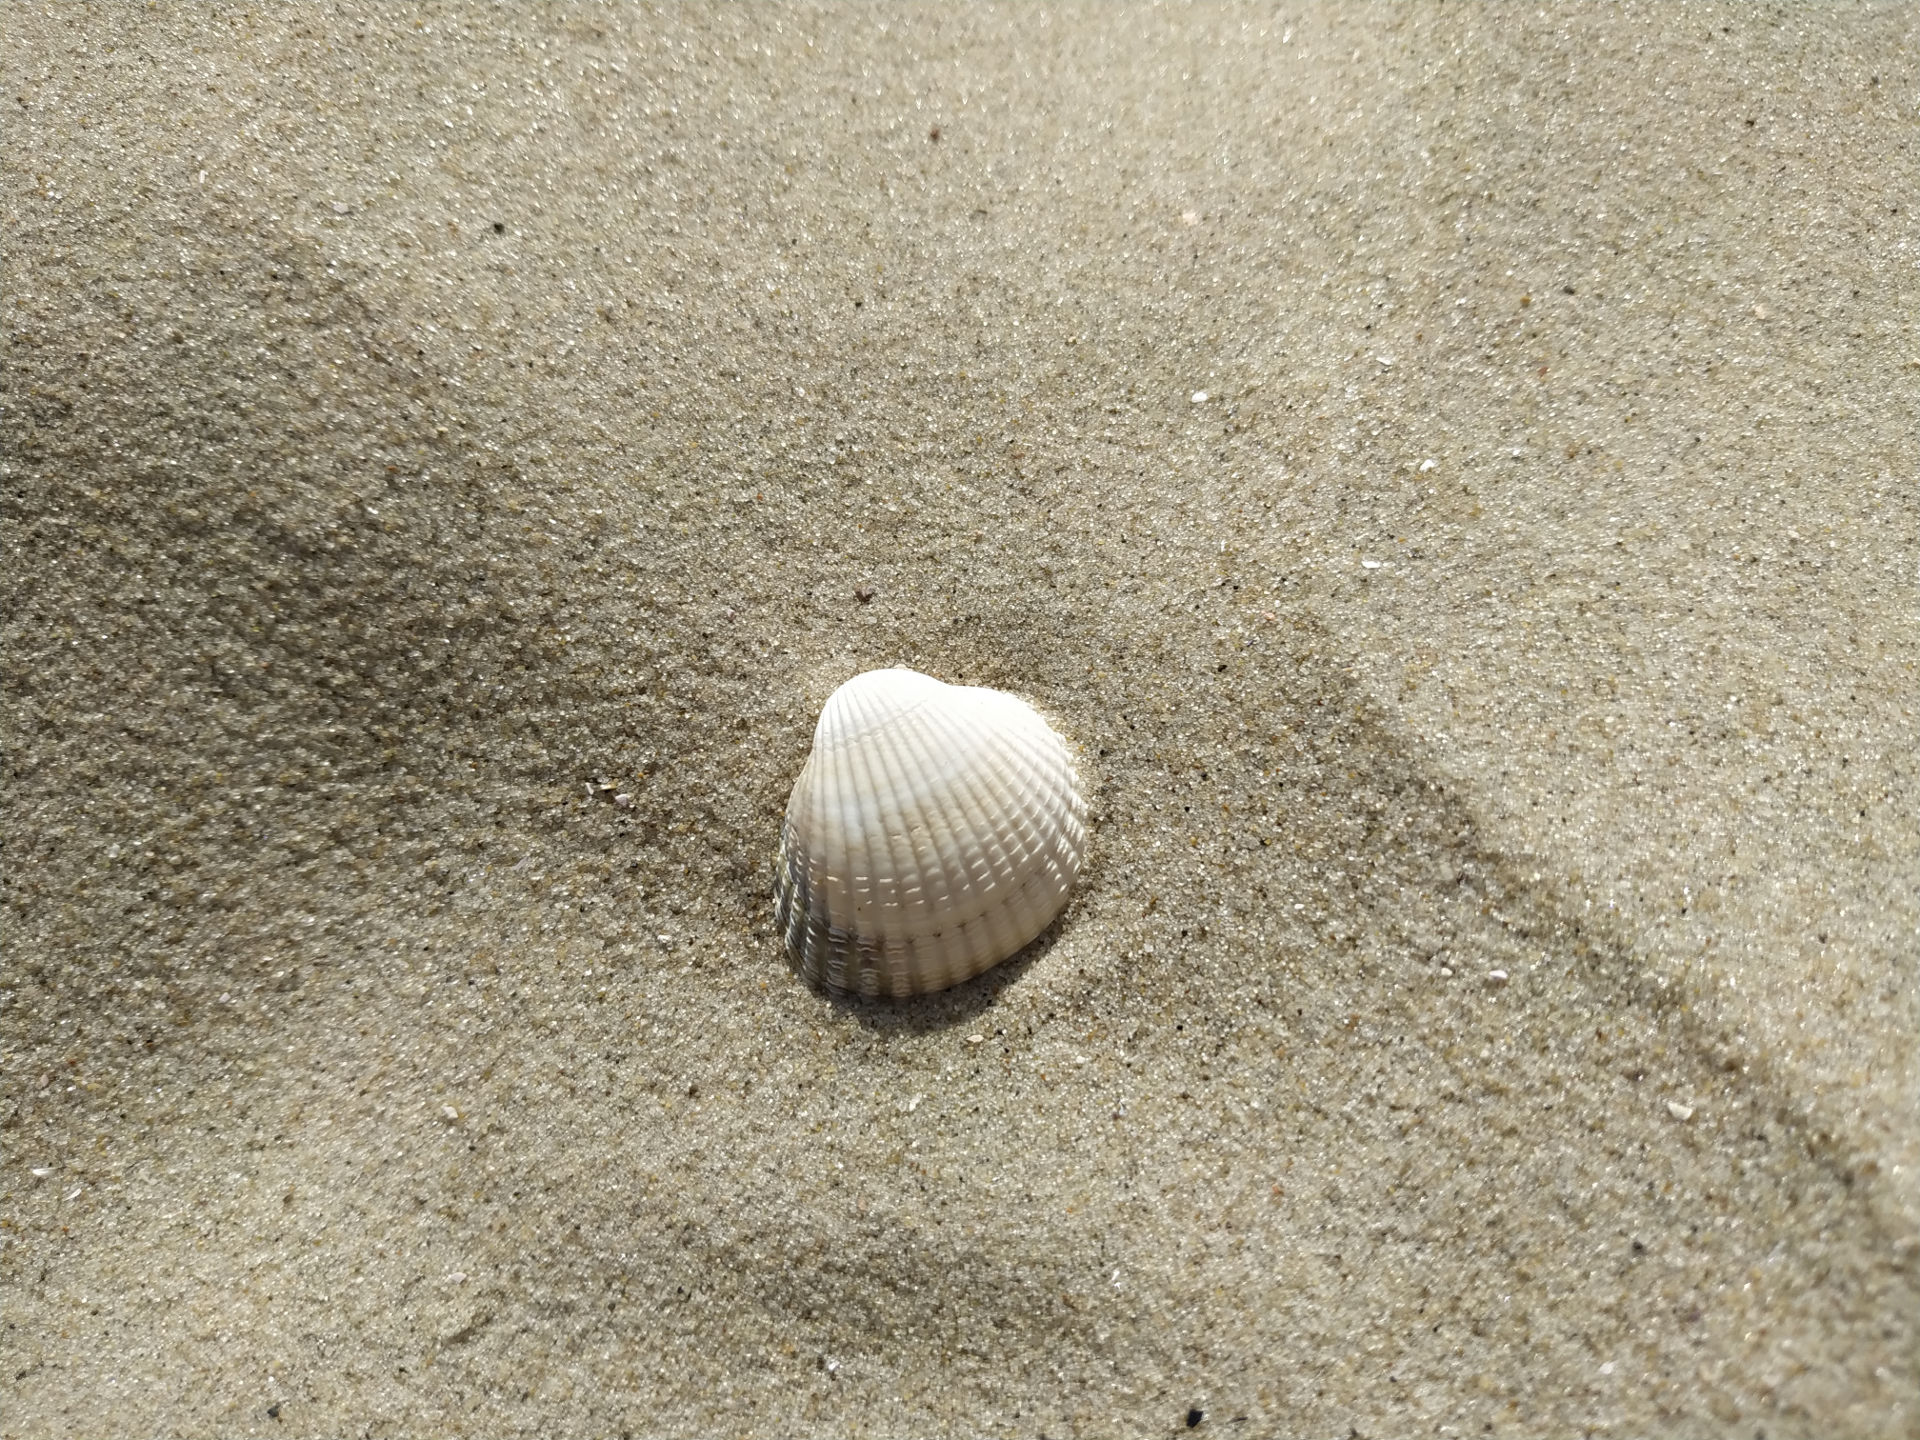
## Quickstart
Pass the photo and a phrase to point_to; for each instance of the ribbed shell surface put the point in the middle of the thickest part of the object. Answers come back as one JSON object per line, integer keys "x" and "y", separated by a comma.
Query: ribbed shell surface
{"x": 935, "y": 830}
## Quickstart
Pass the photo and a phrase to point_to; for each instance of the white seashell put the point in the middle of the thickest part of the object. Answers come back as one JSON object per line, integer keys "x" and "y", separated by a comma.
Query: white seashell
{"x": 935, "y": 830}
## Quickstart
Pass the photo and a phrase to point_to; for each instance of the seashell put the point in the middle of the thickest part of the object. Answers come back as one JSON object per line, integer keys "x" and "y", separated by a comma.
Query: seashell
{"x": 935, "y": 830}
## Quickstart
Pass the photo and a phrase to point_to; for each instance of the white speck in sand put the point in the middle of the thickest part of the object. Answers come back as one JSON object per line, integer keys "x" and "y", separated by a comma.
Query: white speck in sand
{"x": 1199, "y": 397}
{"x": 1496, "y": 978}
{"x": 448, "y": 1112}
{"x": 1369, "y": 564}
{"x": 41, "y": 1174}
{"x": 1679, "y": 1111}
{"x": 1607, "y": 1369}
{"x": 976, "y": 1039}
{"x": 1426, "y": 465}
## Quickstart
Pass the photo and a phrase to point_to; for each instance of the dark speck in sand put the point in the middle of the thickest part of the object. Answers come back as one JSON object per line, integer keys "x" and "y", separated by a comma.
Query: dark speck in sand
{"x": 1195, "y": 1416}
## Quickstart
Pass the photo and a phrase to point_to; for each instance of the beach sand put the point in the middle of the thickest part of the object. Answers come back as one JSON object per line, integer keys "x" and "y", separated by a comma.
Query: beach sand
{"x": 1450, "y": 472}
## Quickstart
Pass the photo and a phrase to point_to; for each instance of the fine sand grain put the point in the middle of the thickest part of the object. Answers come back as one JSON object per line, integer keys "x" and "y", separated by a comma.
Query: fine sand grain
{"x": 1451, "y": 472}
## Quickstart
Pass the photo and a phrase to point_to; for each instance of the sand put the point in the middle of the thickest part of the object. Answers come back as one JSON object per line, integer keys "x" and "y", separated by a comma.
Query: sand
{"x": 1450, "y": 472}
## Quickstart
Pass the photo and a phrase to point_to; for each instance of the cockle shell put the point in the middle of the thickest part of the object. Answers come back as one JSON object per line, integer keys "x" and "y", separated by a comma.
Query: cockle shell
{"x": 935, "y": 830}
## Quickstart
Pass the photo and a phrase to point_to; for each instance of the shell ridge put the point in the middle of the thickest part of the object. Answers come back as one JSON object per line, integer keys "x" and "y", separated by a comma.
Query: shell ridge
{"x": 836, "y": 867}
{"x": 969, "y": 901}
{"x": 1001, "y": 780}
{"x": 886, "y": 924}
{"x": 866, "y": 748}
{"x": 790, "y": 864}
{"x": 1052, "y": 804}
{"x": 891, "y": 922}
{"x": 1006, "y": 917}
{"x": 854, "y": 709}
{"x": 797, "y": 914}
{"x": 1032, "y": 796}
{"x": 1065, "y": 781}
{"x": 1057, "y": 824}
{"x": 974, "y": 795}
{"x": 928, "y": 825}
{"x": 932, "y": 916}
{"x": 1025, "y": 797}
{"x": 806, "y": 912}
{"x": 856, "y": 814}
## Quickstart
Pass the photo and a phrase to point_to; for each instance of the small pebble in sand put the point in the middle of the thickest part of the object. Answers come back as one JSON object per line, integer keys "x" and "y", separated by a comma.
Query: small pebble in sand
{"x": 976, "y": 1039}
{"x": 1199, "y": 397}
{"x": 1496, "y": 978}
{"x": 1679, "y": 1111}
{"x": 1426, "y": 465}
